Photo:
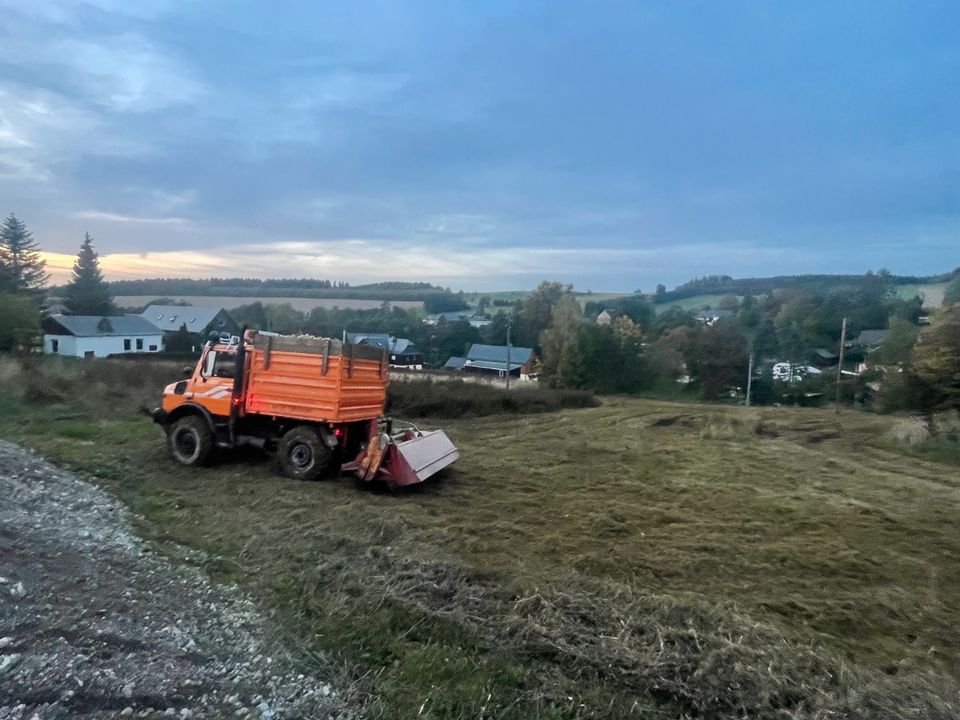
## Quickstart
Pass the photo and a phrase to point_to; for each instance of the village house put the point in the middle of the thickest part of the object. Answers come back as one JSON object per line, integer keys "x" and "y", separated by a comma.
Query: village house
{"x": 198, "y": 321}
{"x": 711, "y": 317}
{"x": 403, "y": 353}
{"x": 604, "y": 318}
{"x": 475, "y": 319}
{"x": 869, "y": 340}
{"x": 491, "y": 360}
{"x": 99, "y": 336}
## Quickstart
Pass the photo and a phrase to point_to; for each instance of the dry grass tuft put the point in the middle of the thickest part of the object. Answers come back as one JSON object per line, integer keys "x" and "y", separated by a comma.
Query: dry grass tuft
{"x": 911, "y": 431}
{"x": 426, "y": 397}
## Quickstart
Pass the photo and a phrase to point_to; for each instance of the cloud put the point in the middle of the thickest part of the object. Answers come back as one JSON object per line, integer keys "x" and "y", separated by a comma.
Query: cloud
{"x": 126, "y": 73}
{"x": 41, "y": 131}
{"x": 118, "y": 218}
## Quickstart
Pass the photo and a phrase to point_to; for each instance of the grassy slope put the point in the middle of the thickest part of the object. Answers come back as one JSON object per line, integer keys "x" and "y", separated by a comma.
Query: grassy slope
{"x": 932, "y": 294}
{"x": 691, "y": 303}
{"x": 814, "y": 527}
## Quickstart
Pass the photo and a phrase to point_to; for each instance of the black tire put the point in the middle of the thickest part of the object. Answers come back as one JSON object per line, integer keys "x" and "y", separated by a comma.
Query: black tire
{"x": 191, "y": 440}
{"x": 302, "y": 454}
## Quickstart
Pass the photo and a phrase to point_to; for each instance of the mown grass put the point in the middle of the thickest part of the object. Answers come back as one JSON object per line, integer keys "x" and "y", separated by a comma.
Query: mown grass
{"x": 638, "y": 559}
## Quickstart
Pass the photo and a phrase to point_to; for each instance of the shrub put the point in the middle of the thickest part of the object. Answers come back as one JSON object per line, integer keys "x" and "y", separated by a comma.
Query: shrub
{"x": 427, "y": 397}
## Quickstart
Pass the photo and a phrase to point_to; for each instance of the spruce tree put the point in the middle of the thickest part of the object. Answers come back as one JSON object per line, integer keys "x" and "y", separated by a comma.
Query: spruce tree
{"x": 22, "y": 271}
{"x": 88, "y": 293}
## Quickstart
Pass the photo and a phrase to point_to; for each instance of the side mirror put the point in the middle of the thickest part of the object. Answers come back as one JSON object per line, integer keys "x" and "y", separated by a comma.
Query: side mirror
{"x": 188, "y": 370}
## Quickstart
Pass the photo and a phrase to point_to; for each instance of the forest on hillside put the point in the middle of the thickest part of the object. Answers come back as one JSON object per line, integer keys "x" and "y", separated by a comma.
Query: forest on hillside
{"x": 274, "y": 287}
{"x": 724, "y": 284}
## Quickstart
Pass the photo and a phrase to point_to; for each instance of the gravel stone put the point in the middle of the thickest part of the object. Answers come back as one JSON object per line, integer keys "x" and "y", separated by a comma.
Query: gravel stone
{"x": 94, "y": 624}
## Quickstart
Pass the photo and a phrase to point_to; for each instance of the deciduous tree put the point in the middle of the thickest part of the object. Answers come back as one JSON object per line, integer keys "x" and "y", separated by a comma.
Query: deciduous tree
{"x": 938, "y": 358}
{"x": 19, "y": 322}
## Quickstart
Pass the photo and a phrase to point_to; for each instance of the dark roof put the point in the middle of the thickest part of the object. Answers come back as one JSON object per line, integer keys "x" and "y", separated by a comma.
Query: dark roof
{"x": 455, "y": 315}
{"x": 871, "y": 338}
{"x": 403, "y": 346}
{"x": 498, "y": 353}
{"x": 455, "y": 363}
{"x": 376, "y": 339}
{"x": 103, "y": 326}
{"x": 171, "y": 317}
{"x": 490, "y": 365}
{"x": 397, "y": 346}
{"x": 825, "y": 354}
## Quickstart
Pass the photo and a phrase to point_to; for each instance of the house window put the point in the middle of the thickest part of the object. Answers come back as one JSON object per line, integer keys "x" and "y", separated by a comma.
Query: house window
{"x": 55, "y": 346}
{"x": 126, "y": 344}
{"x": 153, "y": 348}
{"x": 139, "y": 343}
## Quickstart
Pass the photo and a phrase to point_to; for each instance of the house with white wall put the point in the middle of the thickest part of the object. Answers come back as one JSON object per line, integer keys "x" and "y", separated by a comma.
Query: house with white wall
{"x": 99, "y": 335}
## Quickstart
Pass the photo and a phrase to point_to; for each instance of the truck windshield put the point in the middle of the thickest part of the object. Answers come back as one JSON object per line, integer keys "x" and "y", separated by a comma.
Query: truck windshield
{"x": 219, "y": 364}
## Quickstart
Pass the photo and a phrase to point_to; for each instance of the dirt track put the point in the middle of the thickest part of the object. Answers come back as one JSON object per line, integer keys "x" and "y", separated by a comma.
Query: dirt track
{"x": 93, "y": 624}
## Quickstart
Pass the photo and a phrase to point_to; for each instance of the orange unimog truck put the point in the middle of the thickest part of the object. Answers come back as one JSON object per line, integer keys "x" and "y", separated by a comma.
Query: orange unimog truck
{"x": 316, "y": 403}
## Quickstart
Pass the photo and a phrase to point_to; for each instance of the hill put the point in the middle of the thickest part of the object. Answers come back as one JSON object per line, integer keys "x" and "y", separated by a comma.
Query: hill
{"x": 642, "y": 558}
{"x": 726, "y": 285}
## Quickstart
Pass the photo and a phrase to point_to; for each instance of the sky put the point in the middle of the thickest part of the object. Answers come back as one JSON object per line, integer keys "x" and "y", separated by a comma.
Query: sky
{"x": 484, "y": 145}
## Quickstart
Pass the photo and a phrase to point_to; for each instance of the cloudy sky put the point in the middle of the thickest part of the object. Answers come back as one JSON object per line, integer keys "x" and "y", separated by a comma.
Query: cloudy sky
{"x": 484, "y": 145}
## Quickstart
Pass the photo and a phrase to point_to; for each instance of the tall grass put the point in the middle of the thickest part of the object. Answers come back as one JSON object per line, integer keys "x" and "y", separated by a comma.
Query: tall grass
{"x": 418, "y": 398}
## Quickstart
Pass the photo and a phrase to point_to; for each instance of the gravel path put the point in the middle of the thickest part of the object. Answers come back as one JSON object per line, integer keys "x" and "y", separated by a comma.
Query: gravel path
{"x": 93, "y": 624}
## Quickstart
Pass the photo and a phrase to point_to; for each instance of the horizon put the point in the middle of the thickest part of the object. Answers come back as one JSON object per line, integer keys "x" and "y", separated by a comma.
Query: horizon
{"x": 483, "y": 148}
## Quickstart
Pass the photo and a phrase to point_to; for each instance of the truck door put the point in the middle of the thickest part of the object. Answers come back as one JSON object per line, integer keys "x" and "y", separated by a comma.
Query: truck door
{"x": 215, "y": 384}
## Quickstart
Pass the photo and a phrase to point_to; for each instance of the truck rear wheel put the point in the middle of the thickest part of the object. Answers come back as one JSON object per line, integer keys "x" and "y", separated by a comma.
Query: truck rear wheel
{"x": 191, "y": 440}
{"x": 302, "y": 454}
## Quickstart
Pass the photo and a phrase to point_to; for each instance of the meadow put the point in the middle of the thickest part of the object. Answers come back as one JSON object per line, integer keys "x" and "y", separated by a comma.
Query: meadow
{"x": 636, "y": 558}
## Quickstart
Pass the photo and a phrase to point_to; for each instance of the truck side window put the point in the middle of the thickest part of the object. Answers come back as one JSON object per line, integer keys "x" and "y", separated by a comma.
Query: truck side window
{"x": 225, "y": 365}
{"x": 209, "y": 363}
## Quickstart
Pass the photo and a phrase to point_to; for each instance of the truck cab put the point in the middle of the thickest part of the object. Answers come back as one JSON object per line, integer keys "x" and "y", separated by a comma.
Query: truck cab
{"x": 210, "y": 383}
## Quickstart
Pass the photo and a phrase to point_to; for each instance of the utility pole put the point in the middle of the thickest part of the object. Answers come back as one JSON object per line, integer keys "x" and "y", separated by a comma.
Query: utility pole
{"x": 509, "y": 324}
{"x": 843, "y": 341}
{"x": 749, "y": 375}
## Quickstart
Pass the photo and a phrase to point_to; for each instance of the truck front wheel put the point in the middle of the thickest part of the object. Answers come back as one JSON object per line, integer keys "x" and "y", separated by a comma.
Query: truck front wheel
{"x": 191, "y": 440}
{"x": 302, "y": 454}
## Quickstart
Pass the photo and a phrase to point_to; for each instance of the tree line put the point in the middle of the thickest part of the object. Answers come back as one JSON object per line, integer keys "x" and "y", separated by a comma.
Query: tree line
{"x": 23, "y": 285}
{"x": 276, "y": 287}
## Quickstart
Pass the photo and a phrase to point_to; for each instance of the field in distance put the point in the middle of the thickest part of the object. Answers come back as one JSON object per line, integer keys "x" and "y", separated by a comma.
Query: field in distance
{"x": 298, "y": 303}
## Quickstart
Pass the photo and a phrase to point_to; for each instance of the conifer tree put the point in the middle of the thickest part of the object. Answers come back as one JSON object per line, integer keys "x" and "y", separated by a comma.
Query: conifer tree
{"x": 22, "y": 271}
{"x": 88, "y": 293}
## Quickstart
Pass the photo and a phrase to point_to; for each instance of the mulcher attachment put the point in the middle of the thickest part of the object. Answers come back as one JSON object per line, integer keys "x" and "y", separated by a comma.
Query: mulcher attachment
{"x": 404, "y": 458}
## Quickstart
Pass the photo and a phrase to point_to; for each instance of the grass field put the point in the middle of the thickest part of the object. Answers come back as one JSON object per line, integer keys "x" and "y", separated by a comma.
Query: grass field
{"x": 932, "y": 294}
{"x": 637, "y": 559}
{"x": 691, "y": 303}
